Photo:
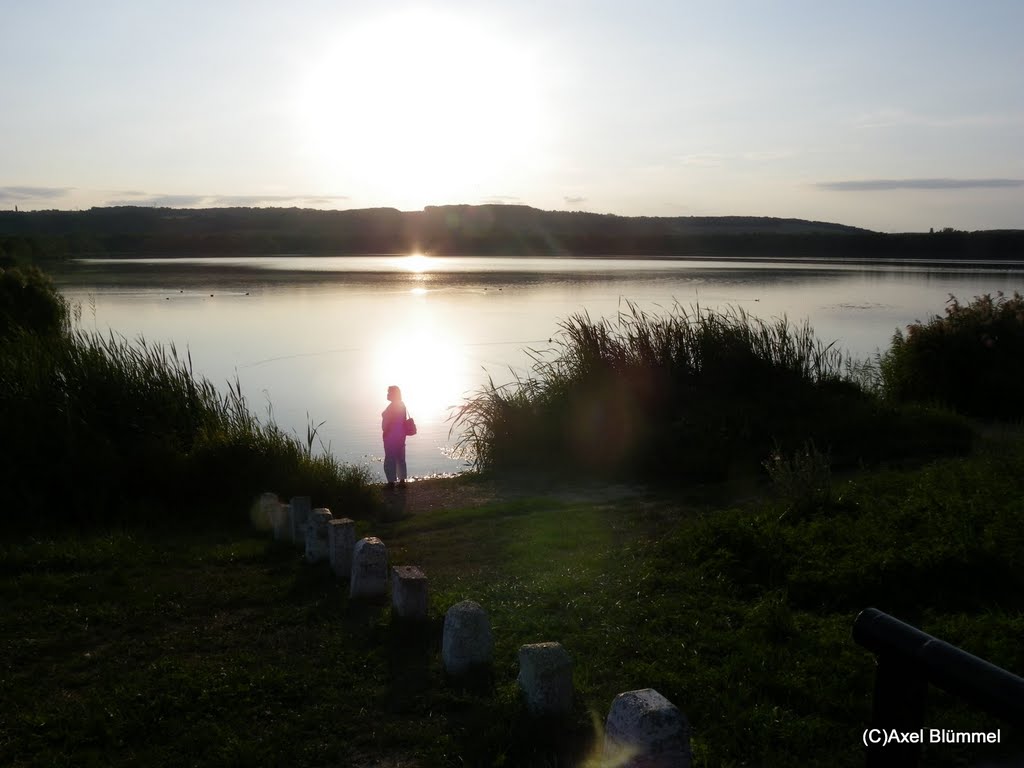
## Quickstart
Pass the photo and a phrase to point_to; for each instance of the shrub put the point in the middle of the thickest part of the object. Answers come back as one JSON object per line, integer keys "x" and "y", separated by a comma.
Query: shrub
{"x": 688, "y": 394}
{"x": 803, "y": 479}
{"x": 30, "y": 302}
{"x": 971, "y": 360}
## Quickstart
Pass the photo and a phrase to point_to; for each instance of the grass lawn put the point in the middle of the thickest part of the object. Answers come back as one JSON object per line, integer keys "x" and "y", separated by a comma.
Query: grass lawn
{"x": 221, "y": 647}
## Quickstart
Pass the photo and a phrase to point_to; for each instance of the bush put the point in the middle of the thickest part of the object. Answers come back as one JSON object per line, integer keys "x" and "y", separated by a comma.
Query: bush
{"x": 803, "y": 480}
{"x": 689, "y": 394}
{"x": 971, "y": 360}
{"x": 30, "y": 302}
{"x": 944, "y": 536}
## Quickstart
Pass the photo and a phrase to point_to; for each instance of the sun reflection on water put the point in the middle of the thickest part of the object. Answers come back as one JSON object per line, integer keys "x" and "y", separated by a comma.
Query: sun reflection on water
{"x": 416, "y": 262}
{"x": 430, "y": 365}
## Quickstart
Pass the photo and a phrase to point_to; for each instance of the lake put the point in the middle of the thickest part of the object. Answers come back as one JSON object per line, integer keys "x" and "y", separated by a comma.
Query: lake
{"x": 317, "y": 340}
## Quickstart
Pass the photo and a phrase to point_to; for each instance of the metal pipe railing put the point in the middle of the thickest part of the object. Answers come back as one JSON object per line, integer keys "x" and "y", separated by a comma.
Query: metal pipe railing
{"x": 908, "y": 661}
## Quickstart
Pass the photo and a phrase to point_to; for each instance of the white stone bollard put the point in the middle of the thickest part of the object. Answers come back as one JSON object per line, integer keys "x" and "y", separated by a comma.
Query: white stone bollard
{"x": 283, "y": 522}
{"x": 644, "y": 729}
{"x": 369, "y": 569}
{"x": 467, "y": 641}
{"x": 273, "y": 515}
{"x": 545, "y": 678}
{"x": 302, "y": 507}
{"x": 408, "y": 592}
{"x": 341, "y": 540}
{"x": 267, "y": 510}
{"x": 316, "y": 535}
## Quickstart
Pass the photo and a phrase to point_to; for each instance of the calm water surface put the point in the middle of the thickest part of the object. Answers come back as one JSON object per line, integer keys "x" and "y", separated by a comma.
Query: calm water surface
{"x": 320, "y": 339}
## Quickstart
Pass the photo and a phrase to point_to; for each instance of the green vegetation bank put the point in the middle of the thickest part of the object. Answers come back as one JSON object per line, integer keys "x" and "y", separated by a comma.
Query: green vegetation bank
{"x": 101, "y": 430}
{"x": 169, "y": 638}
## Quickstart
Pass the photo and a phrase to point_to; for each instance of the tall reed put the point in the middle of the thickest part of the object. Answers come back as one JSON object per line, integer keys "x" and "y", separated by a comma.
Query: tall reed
{"x": 103, "y": 427}
{"x": 689, "y": 391}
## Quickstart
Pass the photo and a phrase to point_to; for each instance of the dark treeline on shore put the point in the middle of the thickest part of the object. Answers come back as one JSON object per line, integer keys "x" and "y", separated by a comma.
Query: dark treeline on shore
{"x": 499, "y": 230}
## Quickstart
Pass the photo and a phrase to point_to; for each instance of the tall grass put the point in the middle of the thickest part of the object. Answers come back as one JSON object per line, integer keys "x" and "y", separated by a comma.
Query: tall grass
{"x": 688, "y": 392}
{"x": 99, "y": 428}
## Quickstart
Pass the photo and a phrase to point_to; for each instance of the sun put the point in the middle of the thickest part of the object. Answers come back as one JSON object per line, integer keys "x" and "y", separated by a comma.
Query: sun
{"x": 422, "y": 107}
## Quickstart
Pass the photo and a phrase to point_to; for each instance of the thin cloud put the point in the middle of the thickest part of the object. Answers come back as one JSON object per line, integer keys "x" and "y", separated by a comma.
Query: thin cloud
{"x": 501, "y": 199}
{"x": 702, "y": 159}
{"x": 573, "y": 200}
{"x": 17, "y": 193}
{"x": 717, "y": 159}
{"x": 901, "y": 118}
{"x": 883, "y": 185}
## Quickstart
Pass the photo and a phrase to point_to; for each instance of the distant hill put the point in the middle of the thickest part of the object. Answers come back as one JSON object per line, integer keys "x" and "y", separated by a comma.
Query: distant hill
{"x": 463, "y": 230}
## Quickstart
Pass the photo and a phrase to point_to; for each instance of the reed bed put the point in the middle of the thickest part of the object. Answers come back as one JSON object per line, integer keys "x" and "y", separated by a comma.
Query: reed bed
{"x": 688, "y": 392}
{"x": 99, "y": 428}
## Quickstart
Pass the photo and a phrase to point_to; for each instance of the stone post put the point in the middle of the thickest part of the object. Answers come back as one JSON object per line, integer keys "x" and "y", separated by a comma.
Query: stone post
{"x": 369, "y": 569}
{"x": 644, "y": 729}
{"x": 545, "y": 678}
{"x": 467, "y": 641}
{"x": 279, "y": 521}
{"x": 302, "y": 507}
{"x": 316, "y": 535}
{"x": 283, "y": 524}
{"x": 341, "y": 540}
{"x": 268, "y": 508}
{"x": 408, "y": 592}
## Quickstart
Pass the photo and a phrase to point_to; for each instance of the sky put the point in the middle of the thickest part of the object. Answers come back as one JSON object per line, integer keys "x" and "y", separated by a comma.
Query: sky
{"x": 895, "y": 116}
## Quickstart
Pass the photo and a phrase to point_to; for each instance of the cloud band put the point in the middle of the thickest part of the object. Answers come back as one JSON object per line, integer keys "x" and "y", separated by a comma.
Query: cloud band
{"x": 883, "y": 185}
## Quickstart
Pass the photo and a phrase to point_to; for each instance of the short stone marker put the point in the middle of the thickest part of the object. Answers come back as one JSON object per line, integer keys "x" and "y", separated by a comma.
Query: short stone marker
{"x": 302, "y": 507}
{"x": 646, "y": 729}
{"x": 408, "y": 592}
{"x": 341, "y": 540}
{"x": 283, "y": 523}
{"x": 273, "y": 515}
{"x": 266, "y": 509}
{"x": 316, "y": 535}
{"x": 467, "y": 641}
{"x": 545, "y": 678}
{"x": 369, "y": 569}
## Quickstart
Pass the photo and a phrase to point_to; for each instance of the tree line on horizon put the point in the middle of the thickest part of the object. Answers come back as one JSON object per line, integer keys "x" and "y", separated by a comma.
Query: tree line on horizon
{"x": 457, "y": 230}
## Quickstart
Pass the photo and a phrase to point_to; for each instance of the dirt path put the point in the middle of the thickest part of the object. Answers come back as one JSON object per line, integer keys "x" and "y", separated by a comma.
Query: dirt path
{"x": 462, "y": 492}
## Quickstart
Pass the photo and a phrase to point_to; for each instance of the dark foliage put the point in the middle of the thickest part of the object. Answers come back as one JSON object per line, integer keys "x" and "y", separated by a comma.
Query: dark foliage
{"x": 701, "y": 395}
{"x": 465, "y": 230}
{"x": 100, "y": 429}
{"x": 30, "y": 303}
{"x": 971, "y": 360}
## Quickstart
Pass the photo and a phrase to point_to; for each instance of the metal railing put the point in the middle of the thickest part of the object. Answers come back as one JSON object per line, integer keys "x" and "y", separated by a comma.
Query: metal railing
{"x": 908, "y": 661}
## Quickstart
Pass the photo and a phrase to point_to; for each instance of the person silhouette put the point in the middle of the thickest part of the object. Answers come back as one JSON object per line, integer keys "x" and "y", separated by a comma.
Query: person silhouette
{"x": 392, "y": 424}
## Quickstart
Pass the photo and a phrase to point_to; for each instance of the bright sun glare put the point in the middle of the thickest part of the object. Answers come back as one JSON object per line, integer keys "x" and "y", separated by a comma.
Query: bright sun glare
{"x": 430, "y": 369}
{"x": 416, "y": 262}
{"x": 426, "y": 107}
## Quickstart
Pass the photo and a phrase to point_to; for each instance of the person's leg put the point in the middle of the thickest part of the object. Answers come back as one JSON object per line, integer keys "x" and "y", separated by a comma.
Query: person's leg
{"x": 390, "y": 459}
{"x": 402, "y": 470}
